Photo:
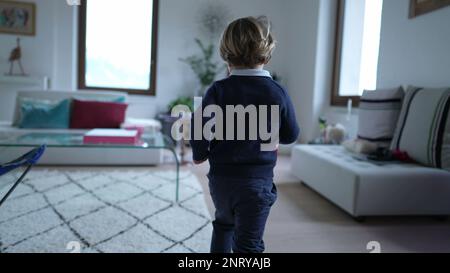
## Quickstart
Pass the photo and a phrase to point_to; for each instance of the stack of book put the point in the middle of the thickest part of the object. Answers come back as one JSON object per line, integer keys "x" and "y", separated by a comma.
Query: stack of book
{"x": 111, "y": 136}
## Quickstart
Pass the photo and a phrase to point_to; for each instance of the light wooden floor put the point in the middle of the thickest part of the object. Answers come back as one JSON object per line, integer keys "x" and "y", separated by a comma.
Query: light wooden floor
{"x": 303, "y": 221}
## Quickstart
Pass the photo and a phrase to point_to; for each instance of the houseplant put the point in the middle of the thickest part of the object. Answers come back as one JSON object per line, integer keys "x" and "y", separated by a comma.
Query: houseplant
{"x": 212, "y": 20}
{"x": 183, "y": 100}
{"x": 204, "y": 66}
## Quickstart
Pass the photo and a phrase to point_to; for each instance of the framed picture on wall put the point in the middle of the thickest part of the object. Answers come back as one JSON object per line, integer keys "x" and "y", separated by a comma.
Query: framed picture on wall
{"x": 419, "y": 7}
{"x": 18, "y": 18}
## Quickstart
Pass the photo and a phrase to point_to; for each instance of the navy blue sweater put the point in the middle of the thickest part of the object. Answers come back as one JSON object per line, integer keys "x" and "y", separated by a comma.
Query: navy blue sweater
{"x": 244, "y": 158}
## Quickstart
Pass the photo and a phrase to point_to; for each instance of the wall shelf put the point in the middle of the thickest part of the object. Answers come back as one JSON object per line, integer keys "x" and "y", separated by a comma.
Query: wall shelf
{"x": 42, "y": 82}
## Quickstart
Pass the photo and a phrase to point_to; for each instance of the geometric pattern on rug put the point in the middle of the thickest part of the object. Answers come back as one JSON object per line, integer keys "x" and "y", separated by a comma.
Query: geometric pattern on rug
{"x": 104, "y": 212}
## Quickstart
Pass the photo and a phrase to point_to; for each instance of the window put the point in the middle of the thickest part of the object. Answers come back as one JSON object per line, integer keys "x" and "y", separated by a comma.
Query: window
{"x": 117, "y": 45}
{"x": 357, "y": 49}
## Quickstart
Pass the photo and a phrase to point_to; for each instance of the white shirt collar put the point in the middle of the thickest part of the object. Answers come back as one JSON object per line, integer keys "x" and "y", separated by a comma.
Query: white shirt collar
{"x": 251, "y": 72}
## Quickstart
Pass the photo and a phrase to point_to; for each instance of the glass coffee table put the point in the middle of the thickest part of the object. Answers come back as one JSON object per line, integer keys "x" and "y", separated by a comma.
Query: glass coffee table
{"x": 71, "y": 140}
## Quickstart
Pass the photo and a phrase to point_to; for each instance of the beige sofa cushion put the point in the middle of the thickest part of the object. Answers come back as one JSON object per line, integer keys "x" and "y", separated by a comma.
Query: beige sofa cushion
{"x": 423, "y": 129}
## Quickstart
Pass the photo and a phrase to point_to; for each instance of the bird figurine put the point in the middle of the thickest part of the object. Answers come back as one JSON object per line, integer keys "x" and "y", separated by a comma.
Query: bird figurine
{"x": 16, "y": 56}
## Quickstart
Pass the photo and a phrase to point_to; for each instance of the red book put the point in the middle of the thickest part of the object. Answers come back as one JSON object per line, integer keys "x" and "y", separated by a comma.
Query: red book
{"x": 111, "y": 136}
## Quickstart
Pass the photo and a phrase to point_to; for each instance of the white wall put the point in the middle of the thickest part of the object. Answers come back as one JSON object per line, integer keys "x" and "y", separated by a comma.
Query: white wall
{"x": 302, "y": 40}
{"x": 414, "y": 51}
{"x": 411, "y": 52}
{"x": 177, "y": 29}
{"x": 37, "y": 50}
{"x": 52, "y": 52}
{"x": 311, "y": 49}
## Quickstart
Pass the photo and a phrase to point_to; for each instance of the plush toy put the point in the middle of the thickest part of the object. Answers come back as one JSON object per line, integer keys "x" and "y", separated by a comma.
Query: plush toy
{"x": 335, "y": 134}
{"x": 360, "y": 146}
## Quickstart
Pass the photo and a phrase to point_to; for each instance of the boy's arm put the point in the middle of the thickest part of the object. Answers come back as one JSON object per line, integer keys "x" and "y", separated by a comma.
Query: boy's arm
{"x": 289, "y": 130}
{"x": 200, "y": 145}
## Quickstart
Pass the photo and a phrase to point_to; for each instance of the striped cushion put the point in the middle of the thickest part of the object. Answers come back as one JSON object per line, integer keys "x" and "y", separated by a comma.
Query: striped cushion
{"x": 378, "y": 115}
{"x": 423, "y": 129}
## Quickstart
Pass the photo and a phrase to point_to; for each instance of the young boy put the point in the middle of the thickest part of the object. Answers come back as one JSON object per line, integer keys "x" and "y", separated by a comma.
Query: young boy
{"x": 241, "y": 173}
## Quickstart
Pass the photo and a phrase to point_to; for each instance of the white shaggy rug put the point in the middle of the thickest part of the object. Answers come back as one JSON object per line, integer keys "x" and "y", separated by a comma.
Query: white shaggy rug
{"x": 105, "y": 211}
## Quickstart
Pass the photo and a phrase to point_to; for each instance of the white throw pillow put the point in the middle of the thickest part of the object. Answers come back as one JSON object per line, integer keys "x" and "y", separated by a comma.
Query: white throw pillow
{"x": 378, "y": 115}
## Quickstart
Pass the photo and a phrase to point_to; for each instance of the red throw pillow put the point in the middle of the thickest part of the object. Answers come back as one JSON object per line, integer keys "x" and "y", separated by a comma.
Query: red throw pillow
{"x": 97, "y": 114}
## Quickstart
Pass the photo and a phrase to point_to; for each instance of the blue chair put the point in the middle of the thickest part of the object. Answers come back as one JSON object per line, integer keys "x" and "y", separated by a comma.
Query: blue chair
{"x": 22, "y": 165}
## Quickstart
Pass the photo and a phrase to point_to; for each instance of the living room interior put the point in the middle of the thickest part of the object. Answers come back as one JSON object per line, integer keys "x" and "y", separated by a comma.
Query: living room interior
{"x": 369, "y": 173}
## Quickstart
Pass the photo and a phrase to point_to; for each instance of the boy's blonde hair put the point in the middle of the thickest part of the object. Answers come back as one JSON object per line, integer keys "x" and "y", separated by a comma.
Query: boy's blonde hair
{"x": 247, "y": 42}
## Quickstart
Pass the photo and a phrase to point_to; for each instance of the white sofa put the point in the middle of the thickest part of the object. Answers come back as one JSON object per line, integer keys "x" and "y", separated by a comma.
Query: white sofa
{"x": 76, "y": 156}
{"x": 367, "y": 188}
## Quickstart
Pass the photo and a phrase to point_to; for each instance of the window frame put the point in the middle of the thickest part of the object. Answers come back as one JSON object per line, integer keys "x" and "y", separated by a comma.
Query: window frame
{"x": 336, "y": 99}
{"x": 151, "y": 91}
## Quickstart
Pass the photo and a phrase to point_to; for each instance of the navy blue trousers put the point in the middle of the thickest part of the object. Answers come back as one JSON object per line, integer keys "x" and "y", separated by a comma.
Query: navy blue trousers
{"x": 242, "y": 207}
